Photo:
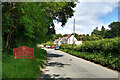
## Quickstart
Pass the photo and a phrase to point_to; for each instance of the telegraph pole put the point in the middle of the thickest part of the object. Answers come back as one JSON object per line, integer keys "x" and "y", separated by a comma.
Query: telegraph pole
{"x": 74, "y": 28}
{"x": 73, "y": 31}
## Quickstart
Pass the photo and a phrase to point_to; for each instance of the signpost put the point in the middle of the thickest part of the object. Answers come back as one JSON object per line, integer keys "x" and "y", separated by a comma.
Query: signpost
{"x": 23, "y": 52}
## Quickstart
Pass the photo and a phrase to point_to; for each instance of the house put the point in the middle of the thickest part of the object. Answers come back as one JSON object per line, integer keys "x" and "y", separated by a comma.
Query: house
{"x": 69, "y": 39}
{"x": 73, "y": 40}
{"x": 58, "y": 41}
{"x": 65, "y": 39}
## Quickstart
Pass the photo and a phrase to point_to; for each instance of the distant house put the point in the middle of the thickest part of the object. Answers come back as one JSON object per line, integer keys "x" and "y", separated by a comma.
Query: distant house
{"x": 58, "y": 41}
{"x": 65, "y": 39}
{"x": 69, "y": 39}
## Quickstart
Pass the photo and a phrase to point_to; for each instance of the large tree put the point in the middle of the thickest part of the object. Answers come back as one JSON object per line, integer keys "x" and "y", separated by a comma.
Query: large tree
{"x": 26, "y": 23}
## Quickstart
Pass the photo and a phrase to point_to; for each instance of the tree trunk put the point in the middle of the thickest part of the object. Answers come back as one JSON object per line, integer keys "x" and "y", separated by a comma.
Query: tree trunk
{"x": 7, "y": 41}
{"x": 9, "y": 37}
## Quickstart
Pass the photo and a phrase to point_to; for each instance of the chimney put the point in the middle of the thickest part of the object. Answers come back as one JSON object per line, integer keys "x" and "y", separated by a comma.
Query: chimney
{"x": 59, "y": 37}
{"x": 68, "y": 35}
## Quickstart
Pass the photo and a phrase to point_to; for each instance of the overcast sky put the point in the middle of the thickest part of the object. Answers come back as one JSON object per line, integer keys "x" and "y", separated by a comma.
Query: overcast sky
{"x": 89, "y": 15}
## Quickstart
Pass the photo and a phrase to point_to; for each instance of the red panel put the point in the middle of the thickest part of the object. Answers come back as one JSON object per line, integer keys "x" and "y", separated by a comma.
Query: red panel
{"x": 23, "y": 52}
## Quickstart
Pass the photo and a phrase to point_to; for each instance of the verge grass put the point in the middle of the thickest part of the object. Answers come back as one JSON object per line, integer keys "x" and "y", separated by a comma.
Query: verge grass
{"x": 23, "y": 68}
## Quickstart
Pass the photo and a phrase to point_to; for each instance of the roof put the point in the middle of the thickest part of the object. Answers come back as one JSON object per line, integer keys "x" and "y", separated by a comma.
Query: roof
{"x": 67, "y": 37}
{"x": 57, "y": 40}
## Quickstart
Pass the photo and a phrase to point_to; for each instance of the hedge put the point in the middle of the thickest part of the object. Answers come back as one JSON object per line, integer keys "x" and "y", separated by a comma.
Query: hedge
{"x": 105, "y": 52}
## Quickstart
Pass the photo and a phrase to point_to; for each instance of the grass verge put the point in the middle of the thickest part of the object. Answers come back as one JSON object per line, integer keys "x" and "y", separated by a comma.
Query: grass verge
{"x": 23, "y": 68}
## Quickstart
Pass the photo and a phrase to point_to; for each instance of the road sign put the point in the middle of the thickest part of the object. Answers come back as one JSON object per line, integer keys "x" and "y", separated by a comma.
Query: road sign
{"x": 23, "y": 52}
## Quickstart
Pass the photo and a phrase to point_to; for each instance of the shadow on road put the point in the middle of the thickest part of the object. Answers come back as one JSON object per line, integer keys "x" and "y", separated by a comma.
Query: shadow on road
{"x": 53, "y": 77}
{"x": 58, "y": 64}
{"x": 51, "y": 55}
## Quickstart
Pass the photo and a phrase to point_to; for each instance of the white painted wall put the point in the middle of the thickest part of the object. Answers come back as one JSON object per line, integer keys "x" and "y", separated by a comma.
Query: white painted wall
{"x": 78, "y": 42}
{"x": 55, "y": 42}
{"x": 71, "y": 40}
{"x": 60, "y": 42}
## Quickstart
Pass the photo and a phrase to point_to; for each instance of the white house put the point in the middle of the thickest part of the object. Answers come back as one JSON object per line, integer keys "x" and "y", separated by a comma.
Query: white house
{"x": 69, "y": 39}
{"x": 58, "y": 41}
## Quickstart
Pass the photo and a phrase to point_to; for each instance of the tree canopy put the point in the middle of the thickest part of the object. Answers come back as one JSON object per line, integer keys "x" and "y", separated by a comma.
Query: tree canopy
{"x": 26, "y": 23}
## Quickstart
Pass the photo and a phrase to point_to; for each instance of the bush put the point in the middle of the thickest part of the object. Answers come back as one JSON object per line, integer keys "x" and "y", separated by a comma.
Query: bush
{"x": 48, "y": 43}
{"x": 105, "y": 52}
{"x": 66, "y": 46}
{"x": 106, "y": 46}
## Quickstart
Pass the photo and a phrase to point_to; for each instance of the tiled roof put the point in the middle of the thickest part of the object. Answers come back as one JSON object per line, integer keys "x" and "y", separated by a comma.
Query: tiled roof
{"x": 67, "y": 37}
{"x": 57, "y": 40}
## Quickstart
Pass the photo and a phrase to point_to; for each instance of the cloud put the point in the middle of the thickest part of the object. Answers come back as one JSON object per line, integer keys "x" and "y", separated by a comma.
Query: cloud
{"x": 87, "y": 16}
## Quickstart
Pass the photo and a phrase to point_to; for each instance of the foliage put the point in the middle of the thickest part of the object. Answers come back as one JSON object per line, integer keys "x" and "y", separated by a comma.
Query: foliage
{"x": 105, "y": 33}
{"x": 56, "y": 36}
{"x": 110, "y": 61}
{"x": 96, "y": 34}
{"x": 114, "y": 30}
{"x": 32, "y": 23}
{"x": 105, "y": 45}
{"x": 105, "y": 51}
{"x": 48, "y": 43}
{"x": 66, "y": 46}
{"x": 27, "y": 24}
{"x": 23, "y": 68}
{"x": 99, "y": 34}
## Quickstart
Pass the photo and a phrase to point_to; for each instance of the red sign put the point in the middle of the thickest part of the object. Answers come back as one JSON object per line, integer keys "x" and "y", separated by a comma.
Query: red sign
{"x": 23, "y": 52}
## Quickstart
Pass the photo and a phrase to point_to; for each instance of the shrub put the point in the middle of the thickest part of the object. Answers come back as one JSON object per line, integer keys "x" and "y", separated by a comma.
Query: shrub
{"x": 105, "y": 52}
{"x": 48, "y": 43}
{"x": 106, "y": 46}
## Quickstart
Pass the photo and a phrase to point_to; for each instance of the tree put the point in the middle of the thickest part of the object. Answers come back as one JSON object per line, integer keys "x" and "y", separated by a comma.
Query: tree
{"x": 56, "y": 36}
{"x": 93, "y": 38}
{"x": 77, "y": 36}
{"x": 103, "y": 29}
{"x": 87, "y": 35}
{"x": 114, "y": 29}
{"x": 64, "y": 35}
{"x": 103, "y": 32}
{"x": 108, "y": 34}
{"x": 31, "y": 23}
{"x": 97, "y": 33}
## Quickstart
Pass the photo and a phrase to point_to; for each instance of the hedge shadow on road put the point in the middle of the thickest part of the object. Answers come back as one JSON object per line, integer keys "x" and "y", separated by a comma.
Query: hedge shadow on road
{"x": 58, "y": 64}
{"x": 52, "y": 55}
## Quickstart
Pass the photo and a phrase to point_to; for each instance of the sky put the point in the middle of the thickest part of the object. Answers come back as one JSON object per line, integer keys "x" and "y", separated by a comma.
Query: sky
{"x": 88, "y": 16}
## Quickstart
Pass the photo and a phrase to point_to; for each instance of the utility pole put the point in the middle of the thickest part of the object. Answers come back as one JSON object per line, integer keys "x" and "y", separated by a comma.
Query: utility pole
{"x": 73, "y": 31}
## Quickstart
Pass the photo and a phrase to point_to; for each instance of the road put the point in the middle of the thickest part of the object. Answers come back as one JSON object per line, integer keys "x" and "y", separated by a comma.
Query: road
{"x": 62, "y": 65}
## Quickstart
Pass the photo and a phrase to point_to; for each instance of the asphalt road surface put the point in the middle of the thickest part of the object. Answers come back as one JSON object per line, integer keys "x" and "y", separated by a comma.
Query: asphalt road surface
{"x": 62, "y": 65}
